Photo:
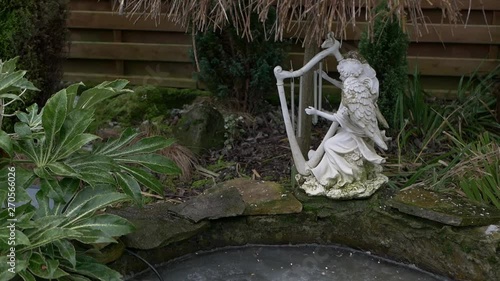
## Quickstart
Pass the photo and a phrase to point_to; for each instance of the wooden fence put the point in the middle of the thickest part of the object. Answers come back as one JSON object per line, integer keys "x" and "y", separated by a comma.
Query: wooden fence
{"x": 105, "y": 46}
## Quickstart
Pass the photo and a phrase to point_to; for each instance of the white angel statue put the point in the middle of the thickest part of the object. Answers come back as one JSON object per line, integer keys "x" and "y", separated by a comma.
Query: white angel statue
{"x": 349, "y": 156}
{"x": 346, "y": 164}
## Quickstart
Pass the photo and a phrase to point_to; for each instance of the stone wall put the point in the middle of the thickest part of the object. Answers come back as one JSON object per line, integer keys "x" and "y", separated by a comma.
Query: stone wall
{"x": 462, "y": 253}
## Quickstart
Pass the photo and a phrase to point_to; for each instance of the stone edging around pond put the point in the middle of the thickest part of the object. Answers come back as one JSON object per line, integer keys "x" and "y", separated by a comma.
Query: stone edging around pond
{"x": 241, "y": 212}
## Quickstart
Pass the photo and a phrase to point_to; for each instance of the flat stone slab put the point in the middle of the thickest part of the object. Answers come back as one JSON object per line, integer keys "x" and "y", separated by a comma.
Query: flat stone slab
{"x": 444, "y": 208}
{"x": 264, "y": 197}
{"x": 156, "y": 226}
{"x": 219, "y": 203}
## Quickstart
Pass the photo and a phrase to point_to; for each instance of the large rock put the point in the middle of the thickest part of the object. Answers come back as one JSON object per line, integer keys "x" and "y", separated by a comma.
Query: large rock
{"x": 264, "y": 197}
{"x": 444, "y": 208}
{"x": 220, "y": 203}
{"x": 201, "y": 128}
{"x": 156, "y": 226}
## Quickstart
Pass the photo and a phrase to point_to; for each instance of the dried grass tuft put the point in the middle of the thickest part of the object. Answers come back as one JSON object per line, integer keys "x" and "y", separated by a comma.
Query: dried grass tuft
{"x": 183, "y": 158}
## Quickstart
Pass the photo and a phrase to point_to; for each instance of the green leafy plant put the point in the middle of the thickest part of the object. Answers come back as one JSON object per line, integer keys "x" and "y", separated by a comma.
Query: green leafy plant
{"x": 236, "y": 70}
{"x": 421, "y": 121}
{"x": 478, "y": 172}
{"x": 13, "y": 85}
{"x": 385, "y": 50}
{"x": 44, "y": 238}
{"x": 77, "y": 177}
{"x": 456, "y": 142}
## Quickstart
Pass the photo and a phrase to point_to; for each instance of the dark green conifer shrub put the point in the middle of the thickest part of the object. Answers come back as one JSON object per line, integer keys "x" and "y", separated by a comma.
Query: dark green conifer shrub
{"x": 34, "y": 30}
{"x": 237, "y": 70}
{"x": 386, "y": 53}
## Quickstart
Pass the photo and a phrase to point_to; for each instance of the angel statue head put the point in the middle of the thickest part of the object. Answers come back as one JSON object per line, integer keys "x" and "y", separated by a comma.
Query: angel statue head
{"x": 352, "y": 65}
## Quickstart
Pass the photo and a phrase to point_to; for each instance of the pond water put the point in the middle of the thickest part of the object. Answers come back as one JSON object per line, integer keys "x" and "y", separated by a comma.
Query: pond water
{"x": 285, "y": 263}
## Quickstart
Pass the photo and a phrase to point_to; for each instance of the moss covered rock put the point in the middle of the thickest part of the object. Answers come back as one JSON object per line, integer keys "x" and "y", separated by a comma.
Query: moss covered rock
{"x": 201, "y": 128}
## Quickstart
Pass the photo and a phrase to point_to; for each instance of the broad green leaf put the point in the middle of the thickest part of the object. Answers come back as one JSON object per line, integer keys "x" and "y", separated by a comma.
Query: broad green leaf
{"x": 97, "y": 271}
{"x": 88, "y": 201}
{"x": 33, "y": 118}
{"x": 22, "y": 130}
{"x": 45, "y": 268}
{"x": 117, "y": 85}
{"x": 94, "y": 168}
{"x": 24, "y": 83}
{"x": 155, "y": 162}
{"x": 27, "y": 276}
{"x": 24, "y": 177}
{"x": 67, "y": 251}
{"x": 52, "y": 188}
{"x": 46, "y": 221}
{"x": 54, "y": 114}
{"x": 127, "y": 136}
{"x": 146, "y": 145}
{"x": 23, "y": 117}
{"x": 145, "y": 179}
{"x": 93, "y": 236}
{"x": 130, "y": 186}
{"x": 3, "y": 196}
{"x": 9, "y": 65}
{"x": 71, "y": 91}
{"x": 93, "y": 161}
{"x": 22, "y": 239}
{"x": 69, "y": 187}
{"x": 23, "y": 214}
{"x": 6, "y": 143}
{"x": 93, "y": 96}
{"x": 61, "y": 169}
{"x": 27, "y": 147}
{"x": 96, "y": 175}
{"x": 50, "y": 235}
{"x": 4, "y": 239}
{"x": 111, "y": 225}
{"x": 74, "y": 145}
{"x": 74, "y": 277}
{"x": 74, "y": 126}
{"x": 9, "y": 79}
{"x": 10, "y": 96}
{"x": 20, "y": 265}
{"x": 6, "y": 269}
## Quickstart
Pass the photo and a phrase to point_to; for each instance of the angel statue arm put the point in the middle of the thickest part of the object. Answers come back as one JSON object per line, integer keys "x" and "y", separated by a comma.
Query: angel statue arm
{"x": 313, "y": 111}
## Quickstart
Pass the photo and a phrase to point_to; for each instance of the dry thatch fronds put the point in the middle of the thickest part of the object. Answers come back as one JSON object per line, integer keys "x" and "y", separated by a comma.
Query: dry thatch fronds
{"x": 312, "y": 18}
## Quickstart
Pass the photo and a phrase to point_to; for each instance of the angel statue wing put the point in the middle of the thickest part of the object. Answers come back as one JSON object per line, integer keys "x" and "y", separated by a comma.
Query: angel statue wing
{"x": 369, "y": 72}
{"x": 362, "y": 109}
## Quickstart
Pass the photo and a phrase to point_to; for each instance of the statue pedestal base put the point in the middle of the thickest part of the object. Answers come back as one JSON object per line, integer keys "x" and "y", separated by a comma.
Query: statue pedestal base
{"x": 357, "y": 189}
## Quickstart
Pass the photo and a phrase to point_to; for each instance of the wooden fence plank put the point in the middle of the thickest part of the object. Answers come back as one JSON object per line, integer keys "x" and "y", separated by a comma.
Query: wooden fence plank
{"x": 110, "y": 20}
{"x": 466, "y": 4}
{"x": 431, "y": 66}
{"x": 143, "y": 36}
{"x": 179, "y": 53}
{"x": 130, "y": 51}
{"x": 117, "y": 38}
{"x": 494, "y": 49}
{"x": 90, "y": 5}
{"x": 445, "y": 33}
{"x": 134, "y": 80}
{"x": 161, "y": 69}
